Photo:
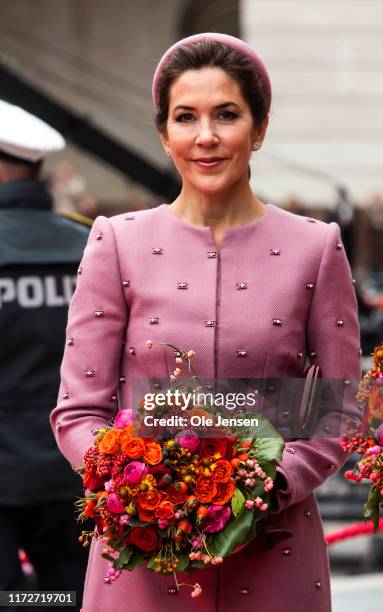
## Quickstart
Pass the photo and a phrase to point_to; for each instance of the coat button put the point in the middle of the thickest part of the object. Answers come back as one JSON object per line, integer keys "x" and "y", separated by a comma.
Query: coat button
{"x": 212, "y": 254}
{"x": 126, "y": 283}
{"x": 244, "y": 590}
{"x": 172, "y": 591}
{"x": 286, "y": 552}
{"x": 275, "y": 251}
{"x": 154, "y": 320}
{"x": 98, "y": 313}
{"x": 157, "y": 251}
{"x": 90, "y": 373}
{"x": 241, "y": 285}
{"x": 339, "y": 245}
{"x": 340, "y": 322}
{"x": 99, "y": 236}
{"x": 210, "y": 323}
{"x": 182, "y": 285}
{"x": 65, "y": 395}
{"x": 70, "y": 342}
{"x": 307, "y": 513}
{"x": 318, "y": 585}
{"x": 277, "y": 322}
{"x": 122, "y": 379}
{"x": 300, "y": 355}
{"x": 132, "y": 350}
{"x": 312, "y": 354}
{"x": 241, "y": 353}
{"x": 309, "y": 285}
{"x": 113, "y": 398}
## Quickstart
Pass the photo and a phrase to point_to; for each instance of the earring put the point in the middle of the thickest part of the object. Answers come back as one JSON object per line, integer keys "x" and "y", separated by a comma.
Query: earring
{"x": 168, "y": 152}
{"x": 257, "y": 146}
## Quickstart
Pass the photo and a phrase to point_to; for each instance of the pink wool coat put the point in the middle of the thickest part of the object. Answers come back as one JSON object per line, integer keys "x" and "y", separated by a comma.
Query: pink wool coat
{"x": 150, "y": 275}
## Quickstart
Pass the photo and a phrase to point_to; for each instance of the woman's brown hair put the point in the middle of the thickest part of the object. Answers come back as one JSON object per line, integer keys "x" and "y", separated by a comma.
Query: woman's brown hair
{"x": 215, "y": 55}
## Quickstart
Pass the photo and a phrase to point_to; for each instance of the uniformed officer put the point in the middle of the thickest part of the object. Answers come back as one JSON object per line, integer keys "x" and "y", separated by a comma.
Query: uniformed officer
{"x": 39, "y": 255}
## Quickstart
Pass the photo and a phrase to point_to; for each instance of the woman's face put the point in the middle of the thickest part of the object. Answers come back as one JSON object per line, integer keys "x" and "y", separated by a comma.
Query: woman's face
{"x": 210, "y": 130}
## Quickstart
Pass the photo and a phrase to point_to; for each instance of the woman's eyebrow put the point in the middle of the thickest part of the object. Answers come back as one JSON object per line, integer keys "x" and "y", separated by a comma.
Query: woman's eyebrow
{"x": 218, "y": 106}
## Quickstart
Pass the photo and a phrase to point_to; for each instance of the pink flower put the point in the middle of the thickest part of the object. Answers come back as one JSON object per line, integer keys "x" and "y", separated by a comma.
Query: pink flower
{"x": 216, "y": 519}
{"x": 113, "y": 504}
{"x": 188, "y": 439}
{"x": 123, "y": 418}
{"x": 373, "y": 450}
{"x": 135, "y": 471}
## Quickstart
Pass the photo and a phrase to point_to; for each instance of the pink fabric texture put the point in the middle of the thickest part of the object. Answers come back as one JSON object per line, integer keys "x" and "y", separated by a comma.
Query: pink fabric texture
{"x": 231, "y": 41}
{"x": 130, "y": 275}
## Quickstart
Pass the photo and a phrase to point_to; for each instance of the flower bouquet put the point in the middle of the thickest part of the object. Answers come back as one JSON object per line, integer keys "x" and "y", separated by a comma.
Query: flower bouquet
{"x": 370, "y": 446}
{"x": 178, "y": 501}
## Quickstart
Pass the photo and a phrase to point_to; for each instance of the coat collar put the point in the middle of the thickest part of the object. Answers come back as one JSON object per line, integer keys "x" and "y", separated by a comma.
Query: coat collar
{"x": 25, "y": 194}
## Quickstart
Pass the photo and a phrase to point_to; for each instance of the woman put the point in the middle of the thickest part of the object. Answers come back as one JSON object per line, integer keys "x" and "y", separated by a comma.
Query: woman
{"x": 254, "y": 290}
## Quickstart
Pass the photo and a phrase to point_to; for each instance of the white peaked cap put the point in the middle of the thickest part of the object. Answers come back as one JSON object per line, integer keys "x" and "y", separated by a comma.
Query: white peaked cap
{"x": 25, "y": 136}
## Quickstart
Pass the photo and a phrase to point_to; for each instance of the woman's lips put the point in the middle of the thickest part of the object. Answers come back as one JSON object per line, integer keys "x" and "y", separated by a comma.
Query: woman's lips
{"x": 208, "y": 162}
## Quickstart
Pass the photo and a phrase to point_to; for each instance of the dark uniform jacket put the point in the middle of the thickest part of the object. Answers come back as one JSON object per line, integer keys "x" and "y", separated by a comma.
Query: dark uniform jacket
{"x": 39, "y": 255}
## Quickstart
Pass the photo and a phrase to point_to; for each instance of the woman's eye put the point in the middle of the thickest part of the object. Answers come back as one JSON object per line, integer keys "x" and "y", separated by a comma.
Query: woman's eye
{"x": 228, "y": 115}
{"x": 184, "y": 117}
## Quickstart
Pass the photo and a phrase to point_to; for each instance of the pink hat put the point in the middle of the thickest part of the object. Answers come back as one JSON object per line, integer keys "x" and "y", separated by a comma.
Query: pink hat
{"x": 231, "y": 41}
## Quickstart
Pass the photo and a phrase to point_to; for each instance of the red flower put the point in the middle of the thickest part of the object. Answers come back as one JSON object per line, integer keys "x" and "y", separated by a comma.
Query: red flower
{"x": 145, "y": 538}
{"x": 211, "y": 447}
{"x": 164, "y": 510}
{"x": 92, "y": 481}
{"x": 176, "y": 495}
{"x": 159, "y": 471}
{"x": 224, "y": 493}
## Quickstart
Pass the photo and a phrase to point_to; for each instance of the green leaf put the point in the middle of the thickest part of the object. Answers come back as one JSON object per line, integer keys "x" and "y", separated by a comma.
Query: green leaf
{"x": 184, "y": 560}
{"x": 237, "y": 501}
{"x": 135, "y": 560}
{"x": 106, "y": 556}
{"x": 151, "y": 564}
{"x": 371, "y": 507}
{"x": 124, "y": 557}
{"x": 234, "y": 534}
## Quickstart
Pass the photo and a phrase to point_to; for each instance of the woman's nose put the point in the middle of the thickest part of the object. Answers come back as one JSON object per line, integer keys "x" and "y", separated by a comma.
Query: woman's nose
{"x": 206, "y": 135}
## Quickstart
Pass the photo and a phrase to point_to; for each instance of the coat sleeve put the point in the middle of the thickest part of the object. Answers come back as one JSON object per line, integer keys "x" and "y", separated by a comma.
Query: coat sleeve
{"x": 97, "y": 320}
{"x": 307, "y": 463}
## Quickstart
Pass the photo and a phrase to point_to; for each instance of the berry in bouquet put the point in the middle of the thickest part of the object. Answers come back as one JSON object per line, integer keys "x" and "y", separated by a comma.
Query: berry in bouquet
{"x": 370, "y": 445}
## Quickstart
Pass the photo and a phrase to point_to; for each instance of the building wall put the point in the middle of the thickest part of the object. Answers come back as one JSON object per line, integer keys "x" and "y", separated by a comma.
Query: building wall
{"x": 326, "y": 126}
{"x": 97, "y": 58}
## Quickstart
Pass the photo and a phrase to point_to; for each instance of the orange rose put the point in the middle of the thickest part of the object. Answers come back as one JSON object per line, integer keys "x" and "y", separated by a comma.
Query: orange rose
{"x": 205, "y": 489}
{"x": 152, "y": 453}
{"x": 222, "y": 471}
{"x": 375, "y": 403}
{"x": 146, "y": 515}
{"x": 176, "y": 495}
{"x": 109, "y": 443}
{"x": 134, "y": 448}
{"x": 124, "y": 436}
{"x": 149, "y": 500}
{"x": 224, "y": 492}
{"x": 164, "y": 510}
